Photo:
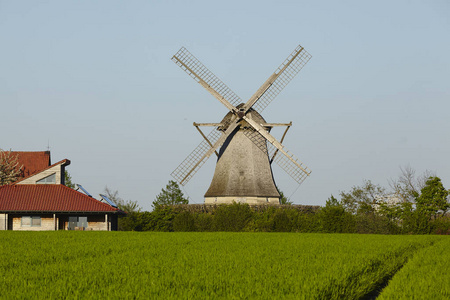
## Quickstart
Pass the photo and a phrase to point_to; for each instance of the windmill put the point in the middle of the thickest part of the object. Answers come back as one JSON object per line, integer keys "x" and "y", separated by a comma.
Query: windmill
{"x": 243, "y": 170}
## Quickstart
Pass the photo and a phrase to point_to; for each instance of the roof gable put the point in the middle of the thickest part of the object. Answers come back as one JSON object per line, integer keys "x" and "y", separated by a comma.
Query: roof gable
{"x": 48, "y": 198}
{"x": 56, "y": 168}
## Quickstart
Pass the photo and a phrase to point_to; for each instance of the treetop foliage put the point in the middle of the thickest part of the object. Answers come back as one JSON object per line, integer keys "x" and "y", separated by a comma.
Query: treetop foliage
{"x": 433, "y": 197}
{"x": 132, "y": 208}
{"x": 128, "y": 206}
{"x": 68, "y": 180}
{"x": 361, "y": 199}
{"x": 171, "y": 195}
{"x": 283, "y": 198}
{"x": 408, "y": 185}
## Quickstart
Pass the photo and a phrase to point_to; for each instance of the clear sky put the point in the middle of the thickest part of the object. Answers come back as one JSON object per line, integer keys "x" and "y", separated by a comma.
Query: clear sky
{"x": 94, "y": 80}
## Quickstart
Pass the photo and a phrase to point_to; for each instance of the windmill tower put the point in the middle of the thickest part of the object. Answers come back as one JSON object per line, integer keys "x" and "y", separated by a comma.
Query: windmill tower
{"x": 247, "y": 149}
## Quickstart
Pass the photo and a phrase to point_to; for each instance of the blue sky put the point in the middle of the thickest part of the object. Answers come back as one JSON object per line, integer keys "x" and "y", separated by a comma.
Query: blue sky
{"x": 94, "y": 80}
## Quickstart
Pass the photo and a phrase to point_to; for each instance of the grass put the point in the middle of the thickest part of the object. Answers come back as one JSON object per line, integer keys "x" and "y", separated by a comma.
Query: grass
{"x": 218, "y": 265}
{"x": 425, "y": 276}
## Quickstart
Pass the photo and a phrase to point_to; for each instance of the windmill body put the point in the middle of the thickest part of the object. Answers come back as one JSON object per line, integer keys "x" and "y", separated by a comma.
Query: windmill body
{"x": 247, "y": 149}
{"x": 243, "y": 171}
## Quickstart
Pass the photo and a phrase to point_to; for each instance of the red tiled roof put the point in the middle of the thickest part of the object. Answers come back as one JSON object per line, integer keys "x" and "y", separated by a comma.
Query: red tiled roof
{"x": 48, "y": 198}
{"x": 32, "y": 162}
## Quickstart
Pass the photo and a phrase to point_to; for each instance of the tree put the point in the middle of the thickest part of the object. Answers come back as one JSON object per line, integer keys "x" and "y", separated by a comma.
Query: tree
{"x": 133, "y": 220}
{"x": 408, "y": 186}
{"x": 362, "y": 199}
{"x": 9, "y": 167}
{"x": 171, "y": 195}
{"x": 128, "y": 206}
{"x": 68, "y": 180}
{"x": 433, "y": 197}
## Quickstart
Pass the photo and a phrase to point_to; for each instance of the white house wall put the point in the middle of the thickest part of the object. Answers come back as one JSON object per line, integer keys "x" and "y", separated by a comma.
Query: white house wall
{"x": 3, "y": 221}
{"x": 47, "y": 223}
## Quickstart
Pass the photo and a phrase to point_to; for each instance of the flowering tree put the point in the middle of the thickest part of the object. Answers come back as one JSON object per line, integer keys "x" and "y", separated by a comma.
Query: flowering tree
{"x": 9, "y": 167}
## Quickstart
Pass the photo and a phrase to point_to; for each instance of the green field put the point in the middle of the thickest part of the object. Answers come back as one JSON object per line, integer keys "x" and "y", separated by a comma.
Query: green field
{"x": 223, "y": 265}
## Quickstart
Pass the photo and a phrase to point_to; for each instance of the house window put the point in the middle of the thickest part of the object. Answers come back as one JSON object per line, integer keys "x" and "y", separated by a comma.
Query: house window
{"x": 77, "y": 223}
{"x": 51, "y": 179}
{"x": 31, "y": 221}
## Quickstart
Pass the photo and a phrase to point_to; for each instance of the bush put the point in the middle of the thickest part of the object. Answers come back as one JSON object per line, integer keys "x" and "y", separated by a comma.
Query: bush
{"x": 333, "y": 218}
{"x": 416, "y": 222}
{"x": 203, "y": 222}
{"x": 184, "y": 221}
{"x": 262, "y": 221}
{"x": 441, "y": 225}
{"x": 376, "y": 224}
{"x": 231, "y": 217}
{"x": 161, "y": 219}
{"x": 281, "y": 221}
{"x": 306, "y": 222}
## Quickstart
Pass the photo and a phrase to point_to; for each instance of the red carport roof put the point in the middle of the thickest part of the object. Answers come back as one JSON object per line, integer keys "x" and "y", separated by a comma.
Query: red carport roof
{"x": 48, "y": 198}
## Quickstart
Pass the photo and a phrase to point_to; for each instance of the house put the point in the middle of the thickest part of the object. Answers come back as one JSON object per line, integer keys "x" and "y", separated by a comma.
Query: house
{"x": 41, "y": 201}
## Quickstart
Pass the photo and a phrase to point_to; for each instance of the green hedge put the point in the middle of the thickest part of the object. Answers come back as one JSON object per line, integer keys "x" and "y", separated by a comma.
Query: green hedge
{"x": 286, "y": 218}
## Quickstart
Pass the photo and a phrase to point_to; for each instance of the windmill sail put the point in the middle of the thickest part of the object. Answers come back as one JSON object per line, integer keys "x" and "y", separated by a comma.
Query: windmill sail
{"x": 290, "y": 164}
{"x": 200, "y": 73}
{"x": 195, "y": 69}
{"x": 286, "y": 71}
{"x": 286, "y": 160}
{"x": 193, "y": 162}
